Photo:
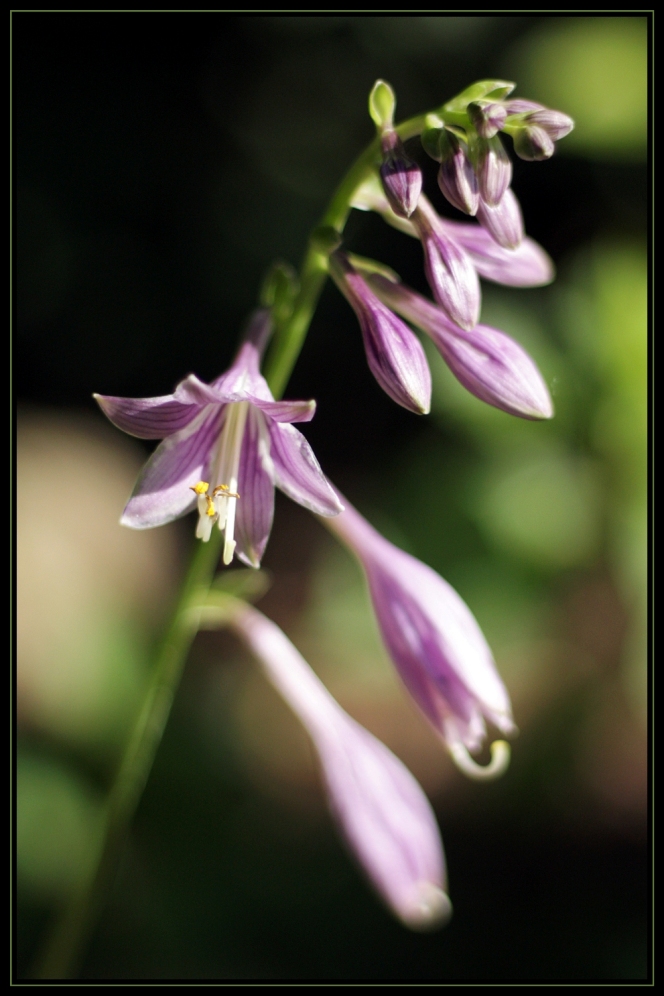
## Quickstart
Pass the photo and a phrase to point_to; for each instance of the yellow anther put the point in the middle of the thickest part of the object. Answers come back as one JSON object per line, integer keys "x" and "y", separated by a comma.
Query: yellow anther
{"x": 200, "y": 488}
{"x": 210, "y": 510}
{"x": 223, "y": 490}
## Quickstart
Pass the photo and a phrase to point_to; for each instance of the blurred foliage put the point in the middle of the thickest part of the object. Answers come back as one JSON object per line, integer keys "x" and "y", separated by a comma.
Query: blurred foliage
{"x": 597, "y": 69}
{"x": 160, "y": 171}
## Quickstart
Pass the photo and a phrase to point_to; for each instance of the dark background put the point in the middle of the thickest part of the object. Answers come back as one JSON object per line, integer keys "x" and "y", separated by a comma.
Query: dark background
{"x": 162, "y": 161}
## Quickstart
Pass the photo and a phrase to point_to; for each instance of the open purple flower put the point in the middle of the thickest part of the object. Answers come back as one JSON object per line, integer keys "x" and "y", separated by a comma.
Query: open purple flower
{"x": 225, "y": 447}
{"x": 435, "y": 643}
{"x": 382, "y": 811}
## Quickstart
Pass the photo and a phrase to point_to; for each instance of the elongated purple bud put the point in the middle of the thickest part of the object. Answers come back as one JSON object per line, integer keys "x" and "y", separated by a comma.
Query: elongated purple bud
{"x": 401, "y": 176}
{"x": 394, "y": 353}
{"x": 494, "y": 169}
{"x": 488, "y": 118}
{"x": 383, "y": 813}
{"x": 436, "y": 645}
{"x": 488, "y": 363}
{"x": 450, "y": 273}
{"x": 456, "y": 176}
{"x": 504, "y": 221}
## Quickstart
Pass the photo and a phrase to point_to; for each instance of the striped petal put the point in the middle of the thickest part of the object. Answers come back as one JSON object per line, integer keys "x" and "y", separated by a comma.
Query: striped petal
{"x": 162, "y": 490}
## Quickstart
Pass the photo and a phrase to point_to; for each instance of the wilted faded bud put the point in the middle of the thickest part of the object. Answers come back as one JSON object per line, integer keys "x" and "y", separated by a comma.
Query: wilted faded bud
{"x": 394, "y": 353}
{"x": 493, "y": 167}
{"x": 504, "y": 221}
{"x": 487, "y": 117}
{"x": 456, "y": 176}
{"x": 400, "y": 175}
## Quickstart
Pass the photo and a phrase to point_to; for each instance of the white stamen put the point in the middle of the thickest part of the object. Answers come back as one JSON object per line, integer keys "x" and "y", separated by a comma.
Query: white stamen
{"x": 226, "y": 471}
{"x": 500, "y": 759}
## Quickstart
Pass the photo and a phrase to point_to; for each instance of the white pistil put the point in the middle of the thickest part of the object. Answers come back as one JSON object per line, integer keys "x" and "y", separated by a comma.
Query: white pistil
{"x": 226, "y": 472}
{"x": 500, "y": 759}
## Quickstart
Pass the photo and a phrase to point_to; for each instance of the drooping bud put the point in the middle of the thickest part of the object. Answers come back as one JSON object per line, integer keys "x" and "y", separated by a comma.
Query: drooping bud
{"x": 555, "y": 123}
{"x": 535, "y": 129}
{"x": 488, "y": 363}
{"x": 394, "y": 353}
{"x": 449, "y": 270}
{"x": 533, "y": 144}
{"x": 487, "y": 117}
{"x": 493, "y": 167}
{"x": 456, "y": 176}
{"x": 504, "y": 221}
{"x": 400, "y": 175}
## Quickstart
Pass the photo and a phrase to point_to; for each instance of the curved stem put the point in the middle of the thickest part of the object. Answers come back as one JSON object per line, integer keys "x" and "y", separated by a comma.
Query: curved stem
{"x": 289, "y": 338}
{"x": 62, "y": 951}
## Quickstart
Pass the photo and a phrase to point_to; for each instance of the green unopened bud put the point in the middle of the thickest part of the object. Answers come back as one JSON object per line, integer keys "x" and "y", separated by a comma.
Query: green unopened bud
{"x": 325, "y": 239}
{"x": 279, "y": 290}
{"x": 483, "y": 89}
{"x": 382, "y": 102}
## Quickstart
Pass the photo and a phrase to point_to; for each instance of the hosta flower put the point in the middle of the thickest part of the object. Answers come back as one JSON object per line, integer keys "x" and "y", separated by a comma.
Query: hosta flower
{"x": 488, "y": 363}
{"x": 225, "y": 447}
{"x": 435, "y": 643}
{"x": 382, "y": 811}
{"x": 394, "y": 354}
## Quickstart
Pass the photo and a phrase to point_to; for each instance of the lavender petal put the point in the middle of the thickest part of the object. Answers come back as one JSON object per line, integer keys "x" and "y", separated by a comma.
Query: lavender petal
{"x": 161, "y": 493}
{"x": 255, "y": 506}
{"x": 147, "y": 418}
{"x": 297, "y": 472}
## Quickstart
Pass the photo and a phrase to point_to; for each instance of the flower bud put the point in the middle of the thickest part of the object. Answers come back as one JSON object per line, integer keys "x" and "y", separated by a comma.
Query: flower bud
{"x": 400, "y": 175}
{"x": 504, "y": 221}
{"x": 449, "y": 270}
{"x": 533, "y": 144}
{"x": 493, "y": 167}
{"x": 381, "y": 105}
{"x": 394, "y": 353}
{"x": 456, "y": 176}
{"x": 488, "y": 363}
{"x": 488, "y": 118}
{"x": 555, "y": 123}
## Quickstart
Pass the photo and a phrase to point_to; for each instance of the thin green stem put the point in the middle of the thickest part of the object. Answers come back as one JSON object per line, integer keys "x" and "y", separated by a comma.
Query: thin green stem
{"x": 289, "y": 338}
{"x": 60, "y": 957}
{"x": 65, "y": 944}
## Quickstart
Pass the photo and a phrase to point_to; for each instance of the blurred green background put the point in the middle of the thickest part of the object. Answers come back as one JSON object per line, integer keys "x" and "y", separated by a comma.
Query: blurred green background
{"x": 162, "y": 162}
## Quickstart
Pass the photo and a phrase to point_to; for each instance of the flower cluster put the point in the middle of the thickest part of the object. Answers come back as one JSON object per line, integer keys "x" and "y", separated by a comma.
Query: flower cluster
{"x": 226, "y": 445}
